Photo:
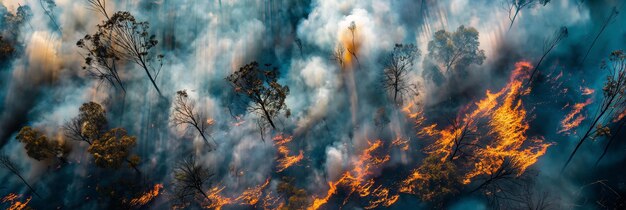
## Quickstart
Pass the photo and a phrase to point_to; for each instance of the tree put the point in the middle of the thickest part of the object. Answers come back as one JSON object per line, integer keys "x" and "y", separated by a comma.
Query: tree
{"x": 119, "y": 38}
{"x": 548, "y": 45}
{"x": 398, "y": 64}
{"x": 611, "y": 17}
{"x": 352, "y": 50}
{"x": 5, "y": 162}
{"x": 37, "y": 145}
{"x": 459, "y": 48}
{"x": 295, "y": 197}
{"x": 190, "y": 178}
{"x": 184, "y": 113}
{"x": 515, "y": 6}
{"x": 48, "y": 8}
{"x": 260, "y": 86}
{"x": 613, "y": 101}
{"x": 113, "y": 149}
{"x": 89, "y": 125}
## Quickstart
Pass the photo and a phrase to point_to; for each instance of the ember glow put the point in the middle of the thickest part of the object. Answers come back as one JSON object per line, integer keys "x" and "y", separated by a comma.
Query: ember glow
{"x": 312, "y": 104}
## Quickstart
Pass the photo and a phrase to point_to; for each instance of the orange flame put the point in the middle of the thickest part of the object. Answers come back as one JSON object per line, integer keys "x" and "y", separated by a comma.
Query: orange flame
{"x": 285, "y": 160}
{"x": 508, "y": 126}
{"x": 586, "y": 91}
{"x": 250, "y": 196}
{"x": 620, "y": 116}
{"x": 15, "y": 203}
{"x": 574, "y": 118}
{"x": 358, "y": 180}
{"x": 147, "y": 197}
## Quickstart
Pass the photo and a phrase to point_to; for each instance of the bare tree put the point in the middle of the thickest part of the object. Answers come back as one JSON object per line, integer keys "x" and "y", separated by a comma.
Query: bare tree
{"x": 120, "y": 37}
{"x": 48, "y": 8}
{"x": 184, "y": 113}
{"x": 6, "y": 162}
{"x": 338, "y": 54}
{"x": 614, "y": 100}
{"x": 398, "y": 64}
{"x": 611, "y": 17}
{"x": 352, "y": 50}
{"x": 261, "y": 86}
{"x": 515, "y": 6}
{"x": 190, "y": 180}
{"x": 548, "y": 46}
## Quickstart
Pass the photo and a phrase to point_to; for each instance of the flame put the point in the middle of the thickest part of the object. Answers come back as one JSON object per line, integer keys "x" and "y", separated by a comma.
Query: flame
{"x": 508, "y": 126}
{"x": 504, "y": 139}
{"x": 250, "y": 196}
{"x": 402, "y": 143}
{"x": 285, "y": 160}
{"x": 586, "y": 91}
{"x": 414, "y": 112}
{"x": 15, "y": 203}
{"x": 574, "y": 118}
{"x": 620, "y": 116}
{"x": 358, "y": 180}
{"x": 147, "y": 197}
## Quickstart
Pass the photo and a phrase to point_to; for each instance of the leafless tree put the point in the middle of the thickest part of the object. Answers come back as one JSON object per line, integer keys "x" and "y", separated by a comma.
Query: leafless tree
{"x": 611, "y": 18}
{"x": 613, "y": 101}
{"x": 513, "y": 7}
{"x": 398, "y": 64}
{"x": 352, "y": 50}
{"x": 548, "y": 46}
{"x": 338, "y": 54}
{"x": 5, "y": 162}
{"x": 120, "y": 37}
{"x": 184, "y": 113}
{"x": 190, "y": 180}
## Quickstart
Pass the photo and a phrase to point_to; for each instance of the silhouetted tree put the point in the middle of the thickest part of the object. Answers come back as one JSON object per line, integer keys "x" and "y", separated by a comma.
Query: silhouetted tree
{"x": 548, "y": 45}
{"x": 398, "y": 64}
{"x": 352, "y": 50}
{"x": 513, "y": 7}
{"x": 459, "y": 48}
{"x": 113, "y": 148}
{"x": 38, "y": 146}
{"x": 190, "y": 180}
{"x": 5, "y": 162}
{"x": 48, "y": 8}
{"x": 295, "y": 198}
{"x": 613, "y": 101}
{"x": 120, "y": 37}
{"x": 184, "y": 113}
{"x": 261, "y": 87}
{"x": 611, "y": 17}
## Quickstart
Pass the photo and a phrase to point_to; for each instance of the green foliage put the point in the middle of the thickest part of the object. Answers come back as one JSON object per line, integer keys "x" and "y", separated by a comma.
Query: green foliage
{"x": 37, "y": 145}
{"x": 456, "y": 49}
{"x": 261, "y": 86}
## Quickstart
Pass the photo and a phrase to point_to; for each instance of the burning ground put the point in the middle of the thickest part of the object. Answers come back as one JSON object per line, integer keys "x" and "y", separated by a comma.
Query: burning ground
{"x": 312, "y": 104}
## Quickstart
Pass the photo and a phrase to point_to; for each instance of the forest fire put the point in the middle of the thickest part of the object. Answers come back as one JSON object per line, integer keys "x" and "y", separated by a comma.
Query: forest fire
{"x": 250, "y": 197}
{"x": 358, "y": 180}
{"x": 147, "y": 197}
{"x": 574, "y": 117}
{"x": 284, "y": 159}
{"x": 14, "y": 202}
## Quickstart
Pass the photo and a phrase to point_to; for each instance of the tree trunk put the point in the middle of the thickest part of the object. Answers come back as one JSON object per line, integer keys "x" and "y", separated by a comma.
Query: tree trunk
{"x": 513, "y": 20}
{"x": 267, "y": 116}
{"x": 28, "y": 185}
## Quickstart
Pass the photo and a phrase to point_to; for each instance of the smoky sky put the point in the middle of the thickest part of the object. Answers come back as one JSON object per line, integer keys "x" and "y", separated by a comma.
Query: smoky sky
{"x": 333, "y": 111}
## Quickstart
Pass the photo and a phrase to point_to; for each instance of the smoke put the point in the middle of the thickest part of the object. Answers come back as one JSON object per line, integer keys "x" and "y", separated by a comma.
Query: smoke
{"x": 333, "y": 107}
